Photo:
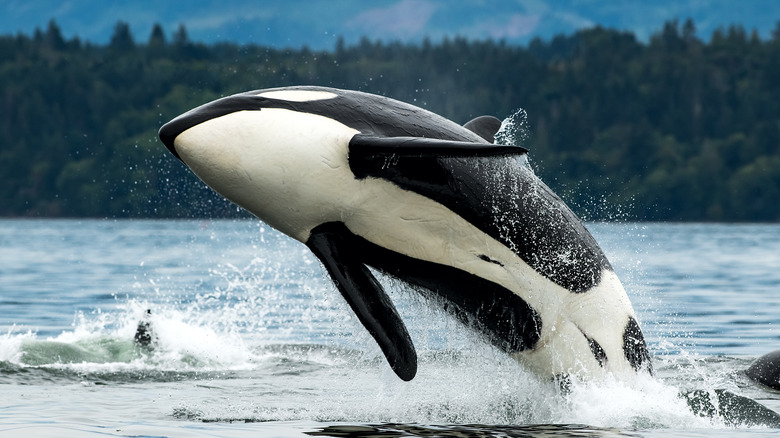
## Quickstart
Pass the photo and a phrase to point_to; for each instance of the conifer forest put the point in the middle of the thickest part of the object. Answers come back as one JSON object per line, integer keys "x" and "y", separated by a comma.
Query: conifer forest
{"x": 682, "y": 127}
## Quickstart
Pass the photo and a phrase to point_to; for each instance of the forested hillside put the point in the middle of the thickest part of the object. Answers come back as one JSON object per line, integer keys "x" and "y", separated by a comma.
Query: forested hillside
{"x": 679, "y": 128}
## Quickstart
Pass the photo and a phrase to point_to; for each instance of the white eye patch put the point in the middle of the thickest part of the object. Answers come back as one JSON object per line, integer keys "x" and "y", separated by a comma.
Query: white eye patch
{"x": 298, "y": 95}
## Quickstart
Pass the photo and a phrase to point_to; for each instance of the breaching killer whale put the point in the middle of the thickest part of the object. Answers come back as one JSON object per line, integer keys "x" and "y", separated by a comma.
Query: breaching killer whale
{"x": 368, "y": 181}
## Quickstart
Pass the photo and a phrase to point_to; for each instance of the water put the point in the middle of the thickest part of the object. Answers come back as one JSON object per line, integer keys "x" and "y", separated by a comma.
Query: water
{"x": 253, "y": 340}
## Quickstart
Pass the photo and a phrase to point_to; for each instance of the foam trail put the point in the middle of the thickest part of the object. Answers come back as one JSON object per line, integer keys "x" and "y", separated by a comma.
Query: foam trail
{"x": 10, "y": 345}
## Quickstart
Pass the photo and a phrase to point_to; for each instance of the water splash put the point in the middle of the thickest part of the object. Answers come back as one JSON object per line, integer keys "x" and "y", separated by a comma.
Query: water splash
{"x": 462, "y": 380}
{"x": 270, "y": 339}
{"x": 515, "y": 130}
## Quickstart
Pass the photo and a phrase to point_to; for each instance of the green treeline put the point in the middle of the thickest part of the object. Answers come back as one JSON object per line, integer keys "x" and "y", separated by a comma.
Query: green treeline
{"x": 677, "y": 128}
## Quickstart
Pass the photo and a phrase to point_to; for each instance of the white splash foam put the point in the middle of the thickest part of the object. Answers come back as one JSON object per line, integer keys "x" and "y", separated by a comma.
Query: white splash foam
{"x": 514, "y": 130}
{"x": 10, "y": 345}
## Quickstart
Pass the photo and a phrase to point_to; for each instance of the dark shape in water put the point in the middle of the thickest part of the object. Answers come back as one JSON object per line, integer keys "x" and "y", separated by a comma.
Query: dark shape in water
{"x": 733, "y": 409}
{"x": 144, "y": 336}
{"x": 766, "y": 370}
{"x": 468, "y": 431}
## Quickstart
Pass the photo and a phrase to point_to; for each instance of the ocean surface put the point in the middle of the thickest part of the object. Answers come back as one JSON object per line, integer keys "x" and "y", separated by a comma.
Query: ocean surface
{"x": 253, "y": 340}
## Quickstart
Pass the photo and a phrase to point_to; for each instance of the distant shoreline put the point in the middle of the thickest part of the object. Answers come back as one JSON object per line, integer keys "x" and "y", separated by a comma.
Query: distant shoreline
{"x": 675, "y": 129}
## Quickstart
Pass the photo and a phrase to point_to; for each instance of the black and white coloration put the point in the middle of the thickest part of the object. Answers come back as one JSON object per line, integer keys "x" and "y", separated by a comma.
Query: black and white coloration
{"x": 365, "y": 180}
{"x": 145, "y": 337}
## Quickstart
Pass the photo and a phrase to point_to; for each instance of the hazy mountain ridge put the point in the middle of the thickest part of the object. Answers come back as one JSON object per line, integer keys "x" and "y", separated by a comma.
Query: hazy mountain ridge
{"x": 318, "y": 24}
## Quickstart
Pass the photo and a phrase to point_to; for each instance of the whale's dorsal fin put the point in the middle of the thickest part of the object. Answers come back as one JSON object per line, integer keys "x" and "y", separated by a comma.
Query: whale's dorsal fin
{"x": 331, "y": 243}
{"x": 484, "y": 126}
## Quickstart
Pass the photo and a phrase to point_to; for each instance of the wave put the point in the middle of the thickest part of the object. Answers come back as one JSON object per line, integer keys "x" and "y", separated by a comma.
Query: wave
{"x": 278, "y": 351}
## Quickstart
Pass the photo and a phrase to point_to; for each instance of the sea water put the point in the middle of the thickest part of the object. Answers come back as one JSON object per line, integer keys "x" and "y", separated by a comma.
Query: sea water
{"x": 251, "y": 338}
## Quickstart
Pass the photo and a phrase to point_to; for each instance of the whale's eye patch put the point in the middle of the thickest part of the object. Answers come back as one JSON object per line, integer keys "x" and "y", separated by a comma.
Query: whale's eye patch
{"x": 298, "y": 95}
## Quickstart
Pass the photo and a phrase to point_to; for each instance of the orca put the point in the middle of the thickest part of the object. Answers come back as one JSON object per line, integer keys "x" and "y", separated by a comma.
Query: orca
{"x": 368, "y": 181}
{"x": 766, "y": 370}
{"x": 145, "y": 337}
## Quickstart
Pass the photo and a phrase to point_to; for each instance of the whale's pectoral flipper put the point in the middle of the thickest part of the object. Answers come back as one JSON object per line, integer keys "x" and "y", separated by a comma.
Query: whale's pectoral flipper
{"x": 330, "y": 242}
{"x": 416, "y": 159}
{"x": 485, "y": 127}
{"x": 363, "y": 145}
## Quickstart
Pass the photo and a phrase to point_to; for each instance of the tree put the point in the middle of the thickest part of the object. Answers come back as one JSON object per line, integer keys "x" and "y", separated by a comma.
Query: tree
{"x": 122, "y": 39}
{"x": 180, "y": 37}
{"x": 157, "y": 37}
{"x": 689, "y": 31}
{"x": 53, "y": 37}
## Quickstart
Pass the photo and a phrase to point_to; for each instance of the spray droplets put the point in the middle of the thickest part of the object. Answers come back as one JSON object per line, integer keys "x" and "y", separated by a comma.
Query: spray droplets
{"x": 514, "y": 130}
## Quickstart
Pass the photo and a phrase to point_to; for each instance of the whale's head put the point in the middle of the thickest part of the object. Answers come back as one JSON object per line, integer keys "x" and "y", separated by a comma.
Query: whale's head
{"x": 259, "y": 150}
{"x": 250, "y": 101}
